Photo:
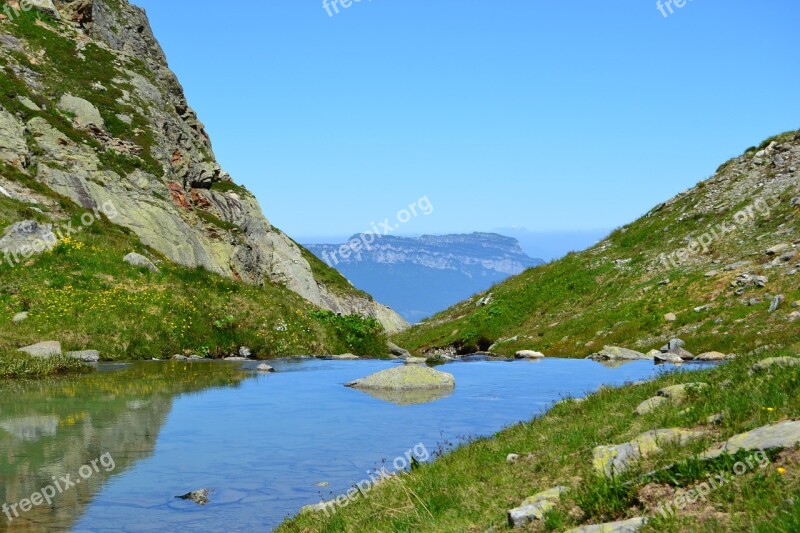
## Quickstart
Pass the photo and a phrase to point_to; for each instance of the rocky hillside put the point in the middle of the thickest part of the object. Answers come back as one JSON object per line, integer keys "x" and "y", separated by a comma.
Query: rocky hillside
{"x": 90, "y": 109}
{"x": 717, "y": 266}
{"x": 429, "y": 273}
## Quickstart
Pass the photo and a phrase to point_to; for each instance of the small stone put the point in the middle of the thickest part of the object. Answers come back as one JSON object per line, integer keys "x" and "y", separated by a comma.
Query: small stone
{"x": 711, "y": 356}
{"x": 677, "y": 393}
{"x": 711, "y": 273}
{"x": 716, "y": 419}
{"x": 775, "y": 250}
{"x": 702, "y": 308}
{"x": 512, "y": 458}
{"x": 776, "y": 302}
{"x": 139, "y": 260}
{"x": 19, "y": 317}
{"x": 535, "y": 507}
{"x": 623, "y": 526}
{"x": 670, "y": 317}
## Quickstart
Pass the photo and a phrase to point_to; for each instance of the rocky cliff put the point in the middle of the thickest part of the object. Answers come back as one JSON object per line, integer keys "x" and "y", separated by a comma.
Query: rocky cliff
{"x": 92, "y": 110}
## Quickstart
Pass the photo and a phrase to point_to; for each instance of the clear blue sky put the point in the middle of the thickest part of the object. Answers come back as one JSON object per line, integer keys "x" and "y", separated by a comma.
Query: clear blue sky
{"x": 547, "y": 115}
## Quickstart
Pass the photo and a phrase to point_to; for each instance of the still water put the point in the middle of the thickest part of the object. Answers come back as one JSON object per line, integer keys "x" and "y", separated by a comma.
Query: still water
{"x": 263, "y": 444}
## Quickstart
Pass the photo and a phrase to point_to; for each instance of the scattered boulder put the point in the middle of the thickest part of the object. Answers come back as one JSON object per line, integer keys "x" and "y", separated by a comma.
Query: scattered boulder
{"x": 264, "y": 368}
{"x": 670, "y": 317}
{"x": 87, "y": 356}
{"x": 775, "y": 362}
{"x": 616, "y": 459}
{"x": 615, "y": 353}
{"x": 46, "y": 6}
{"x": 673, "y": 344}
{"x": 667, "y": 358}
{"x": 405, "y": 378}
{"x": 84, "y": 113}
{"x": 650, "y": 405}
{"x": 777, "y": 249}
{"x": 19, "y": 317}
{"x": 200, "y": 497}
{"x": 678, "y": 393}
{"x": 781, "y": 435}
{"x": 43, "y": 349}
{"x": 512, "y": 458}
{"x": 623, "y": 526}
{"x": 397, "y": 351}
{"x": 27, "y": 238}
{"x": 776, "y": 302}
{"x": 535, "y": 507}
{"x": 529, "y": 354}
{"x": 139, "y": 260}
{"x": 711, "y": 356}
{"x": 716, "y": 419}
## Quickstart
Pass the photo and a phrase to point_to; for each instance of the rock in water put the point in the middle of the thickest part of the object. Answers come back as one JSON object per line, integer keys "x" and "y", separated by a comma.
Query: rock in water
{"x": 529, "y": 354}
{"x": 264, "y": 368}
{"x": 406, "y": 378}
{"x": 615, "y": 353}
{"x": 87, "y": 356}
{"x": 200, "y": 497}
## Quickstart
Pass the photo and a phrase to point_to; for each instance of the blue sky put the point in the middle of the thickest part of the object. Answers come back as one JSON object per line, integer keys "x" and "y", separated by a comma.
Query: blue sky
{"x": 545, "y": 115}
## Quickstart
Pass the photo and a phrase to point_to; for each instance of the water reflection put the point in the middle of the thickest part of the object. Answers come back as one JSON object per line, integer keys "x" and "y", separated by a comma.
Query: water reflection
{"x": 51, "y": 428}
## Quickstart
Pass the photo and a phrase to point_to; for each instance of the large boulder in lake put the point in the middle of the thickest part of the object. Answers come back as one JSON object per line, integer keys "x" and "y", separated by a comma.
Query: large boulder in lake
{"x": 406, "y": 378}
{"x": 615, "y": 353}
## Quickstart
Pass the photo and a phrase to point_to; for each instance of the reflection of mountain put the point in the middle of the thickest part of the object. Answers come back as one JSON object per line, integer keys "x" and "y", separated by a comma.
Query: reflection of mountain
{"x": 54, "y": 427}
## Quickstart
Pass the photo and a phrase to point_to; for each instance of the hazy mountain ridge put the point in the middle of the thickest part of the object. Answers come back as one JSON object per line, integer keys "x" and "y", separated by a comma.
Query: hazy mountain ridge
{"x": 419, "y": 276}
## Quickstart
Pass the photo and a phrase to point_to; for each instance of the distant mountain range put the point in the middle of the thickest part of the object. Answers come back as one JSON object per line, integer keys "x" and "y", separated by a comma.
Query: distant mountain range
{"x": 420, "y": 276}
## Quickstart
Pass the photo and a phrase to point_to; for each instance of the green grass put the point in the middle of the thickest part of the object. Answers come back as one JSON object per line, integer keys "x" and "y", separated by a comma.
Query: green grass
{"x": 82, "y": 294}
{"x": 22, "y": 366}
{"x": 471, "y": 488}
{"x": 574, "y": 306}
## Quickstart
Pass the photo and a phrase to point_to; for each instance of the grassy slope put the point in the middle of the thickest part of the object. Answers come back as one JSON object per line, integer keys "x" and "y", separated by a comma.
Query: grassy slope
{"x": 574, "y": 306}
{"x": 83, "y": 295}
{"x": 471, "y": 488}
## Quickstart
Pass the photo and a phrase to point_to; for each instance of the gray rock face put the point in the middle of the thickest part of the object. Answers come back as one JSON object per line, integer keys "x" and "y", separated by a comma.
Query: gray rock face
{"x": 404, "y": 378}
{"x": 87, "y": 356}
{"x": 161, "y": 205}
{"x": 137, "y": 260}
{"x": 623, "y": 526}
{"x": 535, "y": 507}
{"x": 43, "y": 349}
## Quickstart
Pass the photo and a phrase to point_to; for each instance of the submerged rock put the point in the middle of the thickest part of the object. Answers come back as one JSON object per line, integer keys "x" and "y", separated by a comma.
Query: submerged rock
{"x": 87, "y": 356}
{"x": 406, "y": 378}
{"x": 264, "y": 368}
{"x": 200, "y": 497}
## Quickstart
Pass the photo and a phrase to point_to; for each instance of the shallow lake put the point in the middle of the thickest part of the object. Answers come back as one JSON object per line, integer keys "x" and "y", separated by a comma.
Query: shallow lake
{"x": 263, "y": 444}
